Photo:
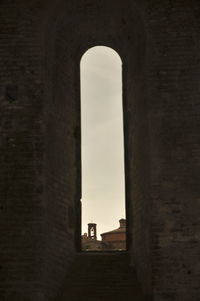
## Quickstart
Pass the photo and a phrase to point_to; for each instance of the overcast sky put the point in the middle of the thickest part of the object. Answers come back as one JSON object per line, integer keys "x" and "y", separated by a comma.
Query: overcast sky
{"x": 103, "y": 196}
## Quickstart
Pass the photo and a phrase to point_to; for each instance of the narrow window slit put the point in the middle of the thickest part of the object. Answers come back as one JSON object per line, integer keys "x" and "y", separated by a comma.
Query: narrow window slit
{"x": 102, "y": 151}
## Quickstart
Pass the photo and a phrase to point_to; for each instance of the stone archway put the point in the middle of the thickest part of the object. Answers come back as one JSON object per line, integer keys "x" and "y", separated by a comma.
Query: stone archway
{"x": 68, "y": 36}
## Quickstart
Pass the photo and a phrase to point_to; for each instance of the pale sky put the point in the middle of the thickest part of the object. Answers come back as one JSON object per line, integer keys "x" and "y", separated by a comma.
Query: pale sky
{"x": 103, "y": 195}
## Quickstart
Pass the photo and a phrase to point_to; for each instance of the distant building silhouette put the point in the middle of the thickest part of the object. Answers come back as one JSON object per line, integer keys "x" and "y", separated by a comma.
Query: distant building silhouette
{"x": 116, "y": 238}
{"x": 92, "y": 231}
{"x": 112, "y": 240}
{"x": 89, "y": 241}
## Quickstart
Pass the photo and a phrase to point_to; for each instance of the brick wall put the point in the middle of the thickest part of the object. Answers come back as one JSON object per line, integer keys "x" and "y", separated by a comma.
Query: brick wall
{"x": 21, "y": 177}
{"x": 62, "y": 155}
{"x": 174, "y": 121}
{"x": 41, "y": 46}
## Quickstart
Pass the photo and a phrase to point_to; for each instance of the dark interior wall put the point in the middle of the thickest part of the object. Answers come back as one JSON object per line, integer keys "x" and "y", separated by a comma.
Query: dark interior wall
{"x": 136, "y": 134}
{"x": 91, "y": 25}
{"x": 22, "y": 208}
{"x": 159, "y": 49}
{"x": 138, "y": 164}
{"x": 173, "y": 77}
{"x": 62, "y": 137}
{"x": 41, "y": 46}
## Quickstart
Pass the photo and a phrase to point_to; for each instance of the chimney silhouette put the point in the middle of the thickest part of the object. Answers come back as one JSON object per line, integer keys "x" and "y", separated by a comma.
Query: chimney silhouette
{"x": 122, "y": 223}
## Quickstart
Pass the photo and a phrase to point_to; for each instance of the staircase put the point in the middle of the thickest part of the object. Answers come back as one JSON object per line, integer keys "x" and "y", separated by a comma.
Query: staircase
{"x": 101, "y": 277}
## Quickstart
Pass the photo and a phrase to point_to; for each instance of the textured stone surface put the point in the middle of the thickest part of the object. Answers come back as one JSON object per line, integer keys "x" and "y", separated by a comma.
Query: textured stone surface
{"x": 101, "y": 276}
{"x": 41, "y": 43}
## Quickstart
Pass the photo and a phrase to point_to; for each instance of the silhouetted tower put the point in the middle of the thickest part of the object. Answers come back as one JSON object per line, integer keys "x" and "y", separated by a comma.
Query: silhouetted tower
{"x": 92, "y": 231}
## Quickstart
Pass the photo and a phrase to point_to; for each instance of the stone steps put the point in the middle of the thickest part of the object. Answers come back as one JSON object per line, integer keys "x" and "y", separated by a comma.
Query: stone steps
{"x": 101, "y": 277}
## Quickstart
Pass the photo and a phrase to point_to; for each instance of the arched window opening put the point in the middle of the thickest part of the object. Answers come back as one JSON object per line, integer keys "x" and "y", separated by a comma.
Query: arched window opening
{"x": 102, "y": 151}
